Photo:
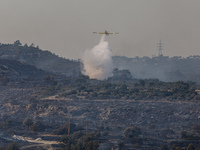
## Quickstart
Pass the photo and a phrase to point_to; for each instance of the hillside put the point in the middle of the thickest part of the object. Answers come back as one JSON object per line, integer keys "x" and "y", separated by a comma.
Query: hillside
{"x": 15, "y": 69}
{"x": 34, "y": 56}
{"x": 164, "y": 68}
{"x": 161, "y": 122}
{"x": 120, "y": 112}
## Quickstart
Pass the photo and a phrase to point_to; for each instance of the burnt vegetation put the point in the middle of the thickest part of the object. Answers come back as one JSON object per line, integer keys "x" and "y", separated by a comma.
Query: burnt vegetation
{"x": 45, "y": 98}
{"x": 151, "y": 89}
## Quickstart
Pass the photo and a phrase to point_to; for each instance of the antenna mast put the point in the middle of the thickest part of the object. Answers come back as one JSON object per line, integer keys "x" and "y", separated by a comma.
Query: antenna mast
{"x": 160, "y": 48}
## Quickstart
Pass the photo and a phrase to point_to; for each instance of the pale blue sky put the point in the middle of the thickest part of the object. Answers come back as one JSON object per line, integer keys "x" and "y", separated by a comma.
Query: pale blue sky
{"x": 65, "y": 26}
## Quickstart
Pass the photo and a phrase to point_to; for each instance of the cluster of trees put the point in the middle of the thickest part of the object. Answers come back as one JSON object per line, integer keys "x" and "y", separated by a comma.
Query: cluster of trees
{"x": 17, "y": 43}
{"x": 33, "y": 55}
{"x": 175, "y": 147}
{"x": 12, "y": 146}
{"x": 35, "y": 126}
{"x": 4, "y": 79}
{"x": 164, "y": 68}
{"x": 64, "y": 129}
{"x": 77, "y": 139}
{"x": 189, "y": 140}
{"x": 134, "y": 136}
{"x": 133, "y": 89}
{"x": 80, "y": 141}
{"x": 189, "y": 136}
{"x": 131, "y": 135}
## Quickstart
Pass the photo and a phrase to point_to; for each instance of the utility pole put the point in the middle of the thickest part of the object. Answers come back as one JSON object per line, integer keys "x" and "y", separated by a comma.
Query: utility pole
{"x": 160, "y": 48}
{"x": 86, "y": 126}
{"x": 69, "y": 125}
{"x": 22, "y": 85}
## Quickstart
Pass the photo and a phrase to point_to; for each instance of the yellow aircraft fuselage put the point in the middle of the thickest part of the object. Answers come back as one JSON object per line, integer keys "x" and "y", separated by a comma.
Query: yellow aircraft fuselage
{"x": 106, "y": 33}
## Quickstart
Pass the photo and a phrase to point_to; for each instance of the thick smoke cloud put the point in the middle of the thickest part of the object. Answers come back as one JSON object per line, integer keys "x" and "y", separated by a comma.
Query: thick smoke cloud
{"x": 97, "y": 62}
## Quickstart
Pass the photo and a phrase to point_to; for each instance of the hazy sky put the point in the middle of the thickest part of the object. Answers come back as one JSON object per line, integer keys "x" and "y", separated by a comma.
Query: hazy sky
{"x": 65, "y": 26}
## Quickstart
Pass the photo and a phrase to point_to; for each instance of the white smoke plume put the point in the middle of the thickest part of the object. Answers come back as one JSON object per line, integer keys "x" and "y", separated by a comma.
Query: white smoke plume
{"x": 97, "y": 62}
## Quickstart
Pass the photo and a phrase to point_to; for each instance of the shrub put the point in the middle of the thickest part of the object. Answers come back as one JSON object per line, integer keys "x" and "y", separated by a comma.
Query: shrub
{"x": 13, "y": 146}
{"x": 37, "y": 126}
{"x": 27, "y": 122}
{"x": 64, "y": 129}
{"x": 132, "y": 132}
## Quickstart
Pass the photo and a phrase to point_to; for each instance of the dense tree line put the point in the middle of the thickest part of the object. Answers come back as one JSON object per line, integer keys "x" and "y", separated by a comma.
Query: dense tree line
{"x": 164, "y": 68}
{"x": 151, "y": 89}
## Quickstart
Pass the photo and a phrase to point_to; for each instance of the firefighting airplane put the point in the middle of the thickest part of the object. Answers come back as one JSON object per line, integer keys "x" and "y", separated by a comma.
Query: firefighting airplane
{"x": 106, "y": 33}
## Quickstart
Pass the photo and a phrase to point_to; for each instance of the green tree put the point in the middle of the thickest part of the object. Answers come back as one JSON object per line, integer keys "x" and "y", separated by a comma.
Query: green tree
{"x": 164, "y": 147}
{"x": 69, "y": 142}
{"x": 27, "y": 122}
{"x": 37, "y": 126}
{"x": 183, "y": 134}
{"x": 87, "y": 142}
{"x": 64, "y": 129}
{"x": 78, "y": 141}
{"x": 13, "y": 146}
{"x": 32, "y": 45}
{"x": 26, "y": 45}
{"x": 4, "y": 79}
{"x": 17, "y": 43}
{"x": 181, "y": 87}
{"x": 142, "y": 82}
{"x": 196, "y": 128}
{"x": 132, "y": 132}
{"x": 120, "y": 145}
{"x": 190, "y": 147}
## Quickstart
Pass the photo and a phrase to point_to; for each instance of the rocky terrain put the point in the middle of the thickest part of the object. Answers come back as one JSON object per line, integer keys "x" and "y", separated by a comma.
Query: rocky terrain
{"x": 162, "y": 121}
{"x": 35, "y": 86}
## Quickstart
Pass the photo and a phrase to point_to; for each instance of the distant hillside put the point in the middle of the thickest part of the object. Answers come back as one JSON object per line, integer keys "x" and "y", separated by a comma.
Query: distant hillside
{"x": 12, "y": 70}
{"x": 41, "y": 59}
{"x": 163, "y": 68}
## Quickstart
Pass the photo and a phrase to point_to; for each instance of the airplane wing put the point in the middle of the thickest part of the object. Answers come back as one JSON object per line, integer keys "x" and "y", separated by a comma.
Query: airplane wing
{"x": 104, "y": 33}
{"x": 101, "y": 33}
